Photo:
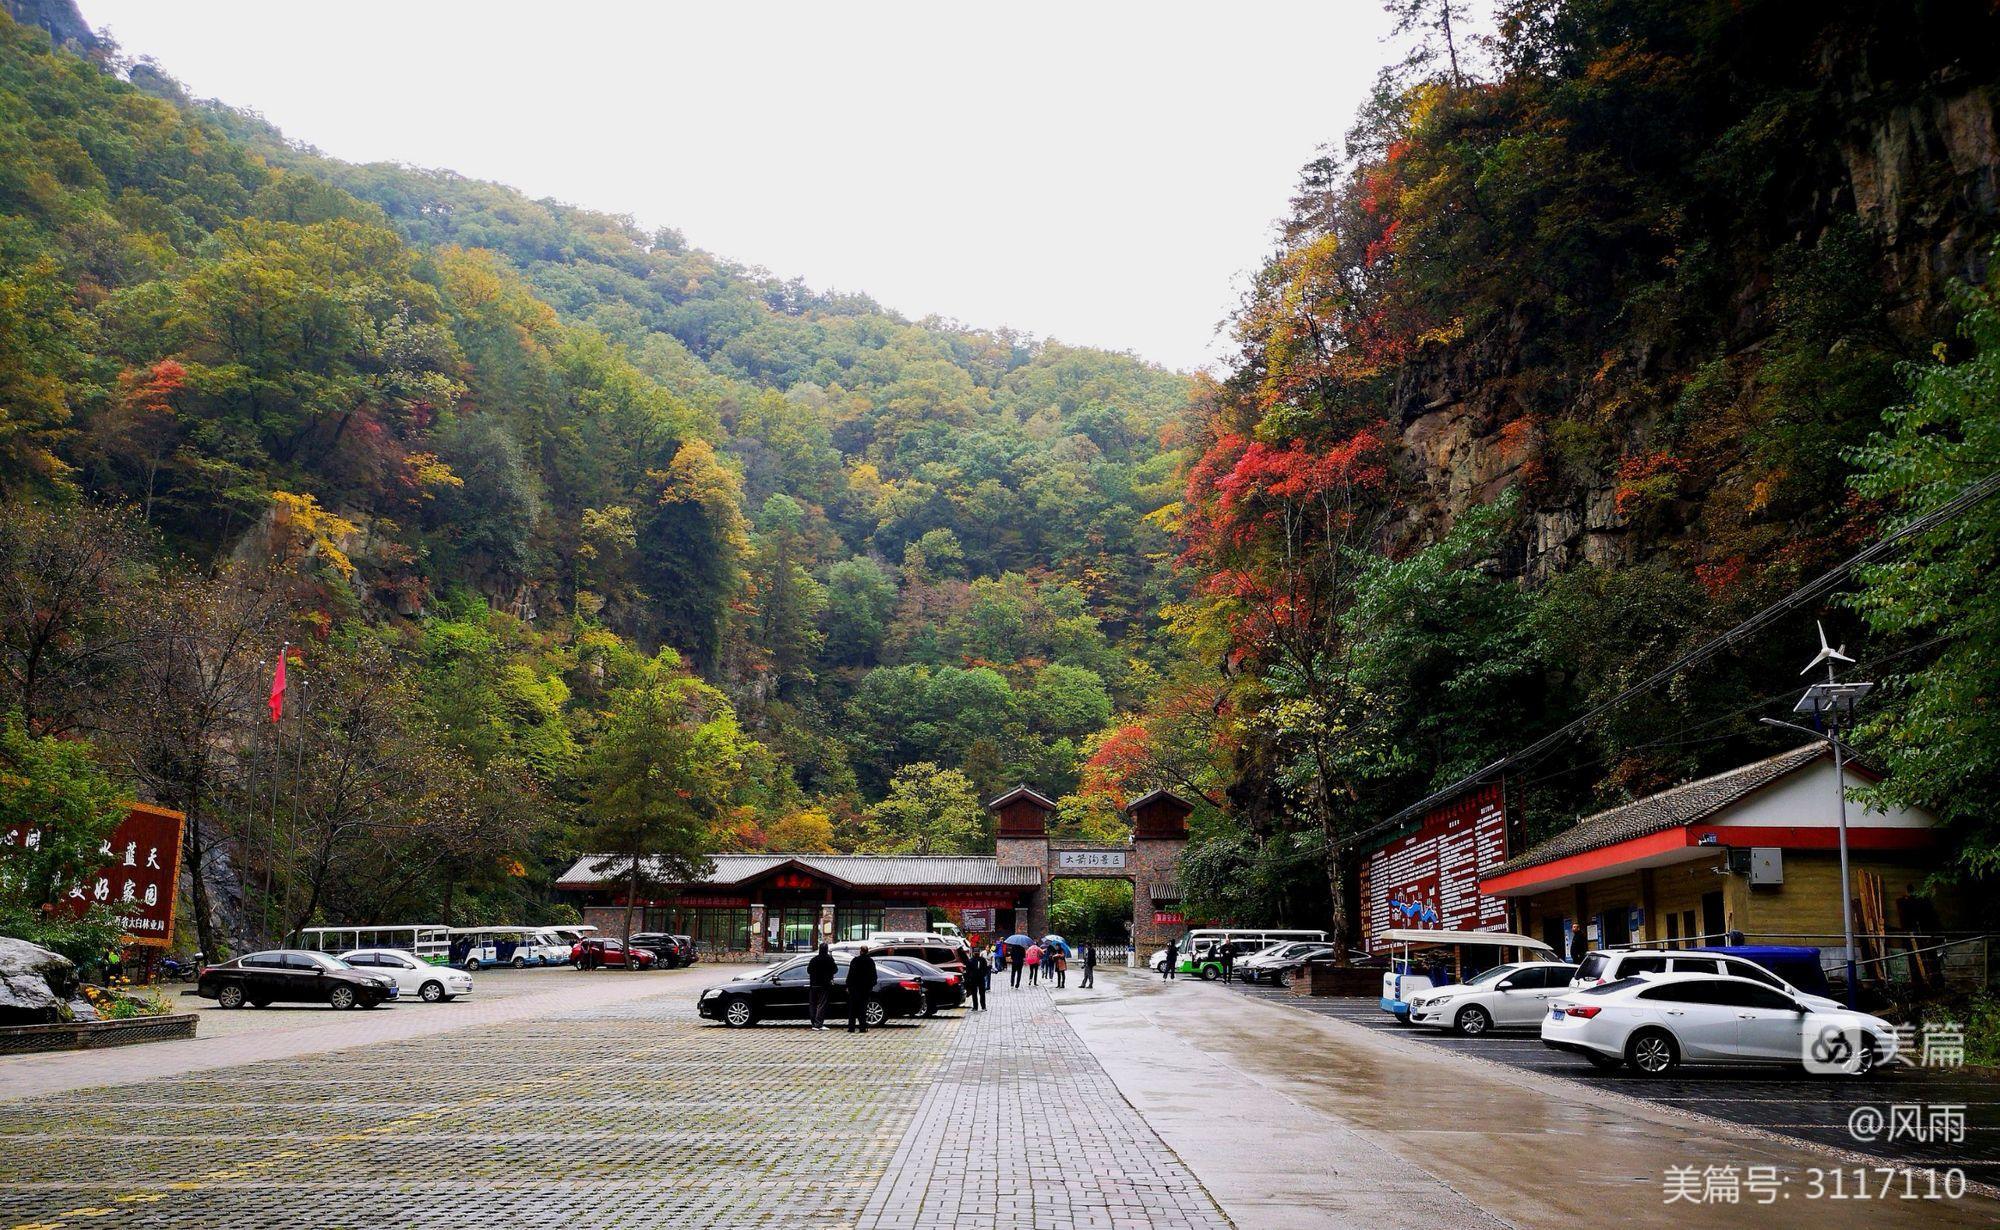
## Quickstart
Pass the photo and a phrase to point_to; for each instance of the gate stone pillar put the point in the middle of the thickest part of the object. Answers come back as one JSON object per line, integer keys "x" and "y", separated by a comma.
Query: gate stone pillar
{"x": 757, "y": 942}
{"x": 1159, "y": 834}
{"x": 1021, "y": 839}
{"x": 826, "y": 921}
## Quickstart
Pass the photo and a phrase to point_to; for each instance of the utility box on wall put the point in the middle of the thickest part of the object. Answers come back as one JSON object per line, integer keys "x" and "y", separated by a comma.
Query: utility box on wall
{"x": 1767, "y": 866}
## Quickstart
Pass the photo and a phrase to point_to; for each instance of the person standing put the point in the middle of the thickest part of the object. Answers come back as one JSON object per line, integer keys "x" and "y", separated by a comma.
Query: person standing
{"x": 1089, "y": 966}
{"x": 1173, "y": 959}
{"x": 1227, "y": 954}
{"x": 860, "y": 989}
{"x": 977, "y": 971}
{"x": 1062, "y": 966}
{"x": 1034, "y": 960}
{"x": 1014, "y": 961}
{"x": 819, "y": 983}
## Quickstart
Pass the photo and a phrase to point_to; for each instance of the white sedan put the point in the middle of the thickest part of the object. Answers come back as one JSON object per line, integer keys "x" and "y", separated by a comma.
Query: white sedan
{"x": 1656, "y": 1024}
{"x": 1506, "y": 995}
{"x": 430, "y": 983}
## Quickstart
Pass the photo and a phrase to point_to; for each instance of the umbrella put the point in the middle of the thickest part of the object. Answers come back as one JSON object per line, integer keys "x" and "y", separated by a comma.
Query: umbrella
{"x": 1058, "y": 941}
{"x": 1018, "y": 938}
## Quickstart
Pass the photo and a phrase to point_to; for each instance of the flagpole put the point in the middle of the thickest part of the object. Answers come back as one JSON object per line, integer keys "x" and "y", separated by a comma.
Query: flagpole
{"x": 271, "y": 825}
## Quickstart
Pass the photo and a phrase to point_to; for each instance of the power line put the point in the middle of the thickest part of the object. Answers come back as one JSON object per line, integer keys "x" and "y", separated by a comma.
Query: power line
{"x": 1812, "y": 589}
{"x": 1748, "y": 708}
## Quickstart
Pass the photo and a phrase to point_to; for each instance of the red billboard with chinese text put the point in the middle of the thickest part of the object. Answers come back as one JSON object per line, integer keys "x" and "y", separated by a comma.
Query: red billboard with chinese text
{"x": 142, "y": 867}
{"x": 1429, "y": 878}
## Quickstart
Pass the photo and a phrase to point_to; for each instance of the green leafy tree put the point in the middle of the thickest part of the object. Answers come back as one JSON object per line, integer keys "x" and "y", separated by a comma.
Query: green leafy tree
{"x": 860, "y": 598}
{"x": 1936, "y": 729}
{"x": 928, "y": 810}
{"x": 56, "y": 796}
{"x": 659, "y": 777}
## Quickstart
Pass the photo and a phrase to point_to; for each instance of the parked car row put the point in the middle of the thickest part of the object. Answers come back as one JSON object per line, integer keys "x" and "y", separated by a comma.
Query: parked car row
{"x": 1654, "y": 1010}
{"x": 361, "y": 979}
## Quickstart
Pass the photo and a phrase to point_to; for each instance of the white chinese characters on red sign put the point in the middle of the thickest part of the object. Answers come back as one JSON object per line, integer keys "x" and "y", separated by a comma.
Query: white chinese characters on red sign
{"x": 1430, "y": 878}
{"x": 142, "y": 863}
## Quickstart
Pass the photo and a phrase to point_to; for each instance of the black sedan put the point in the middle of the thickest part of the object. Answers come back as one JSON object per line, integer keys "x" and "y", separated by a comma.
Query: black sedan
{"x": 293, "y": 976}
{"x": 942, "y": 988}
{"x": 781, "y": 993}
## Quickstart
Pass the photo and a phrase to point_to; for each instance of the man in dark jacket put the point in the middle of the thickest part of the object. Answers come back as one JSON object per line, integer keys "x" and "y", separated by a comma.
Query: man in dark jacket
{"x": 1016, "y": 955}
{"x": 1089, "y": 966}
{"x": 1173, "y": 959}
{"x": 819, "y": 982}
{"x": 977, "y": 969}
{"x": 1228, "y": 955}
{"x": 860, "y": 989}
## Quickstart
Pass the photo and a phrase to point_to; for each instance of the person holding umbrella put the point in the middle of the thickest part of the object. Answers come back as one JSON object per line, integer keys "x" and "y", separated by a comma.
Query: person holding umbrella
{"x": 1016, "y": 945}
{"x": 1055, "y": 955}
{"x": 1034, "y": 960}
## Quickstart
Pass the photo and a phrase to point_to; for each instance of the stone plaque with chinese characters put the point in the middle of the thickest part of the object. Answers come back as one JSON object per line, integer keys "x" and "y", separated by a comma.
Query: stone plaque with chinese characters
{"x": 1090, "y": 860}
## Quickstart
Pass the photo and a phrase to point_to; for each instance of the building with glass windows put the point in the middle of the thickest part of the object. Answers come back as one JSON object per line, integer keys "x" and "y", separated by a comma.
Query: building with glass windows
{"x": 767, "y": 903}
{"x": 762, "y": 903}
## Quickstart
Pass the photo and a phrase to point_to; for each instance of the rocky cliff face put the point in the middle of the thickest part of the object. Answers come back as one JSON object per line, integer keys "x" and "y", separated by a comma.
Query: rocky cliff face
{"x": 1919, "y": 173}
{"x": 60, "y": 18}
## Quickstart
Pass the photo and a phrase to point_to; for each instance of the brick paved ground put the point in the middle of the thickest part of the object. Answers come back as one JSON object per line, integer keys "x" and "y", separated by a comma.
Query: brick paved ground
{"x": 612, "y": 1114}
{"x": 633, "y": 1114}
{"x": 1023, "y": 1129}
{"x": 230, "y": 1037}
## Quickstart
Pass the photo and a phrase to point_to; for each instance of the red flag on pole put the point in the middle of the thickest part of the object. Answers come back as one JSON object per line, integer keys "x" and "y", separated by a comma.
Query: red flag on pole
{"x": 278, "y": 688}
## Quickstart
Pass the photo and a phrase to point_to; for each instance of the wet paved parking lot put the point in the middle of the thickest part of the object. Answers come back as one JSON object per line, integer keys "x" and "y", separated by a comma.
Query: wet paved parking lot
{"x": 632, "y": 1113}
{"x": 1813, "y": 1109}
{"x": 592, "y": 1100}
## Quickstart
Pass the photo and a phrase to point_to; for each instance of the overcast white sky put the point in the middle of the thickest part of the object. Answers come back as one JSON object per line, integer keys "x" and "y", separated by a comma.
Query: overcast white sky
{"x": 1104, "y": 173}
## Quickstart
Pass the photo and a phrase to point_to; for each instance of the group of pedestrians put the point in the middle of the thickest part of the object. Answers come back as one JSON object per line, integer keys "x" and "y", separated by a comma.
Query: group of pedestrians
{"x": 1038, "y": 960}
{"x": 1044, "y": 963}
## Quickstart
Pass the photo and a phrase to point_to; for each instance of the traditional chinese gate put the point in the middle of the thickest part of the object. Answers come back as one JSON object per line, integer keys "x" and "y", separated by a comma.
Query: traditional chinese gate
{"x": 1159, "y": 834}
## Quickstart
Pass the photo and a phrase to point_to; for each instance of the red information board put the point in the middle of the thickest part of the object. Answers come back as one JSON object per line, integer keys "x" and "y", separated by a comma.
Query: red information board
{"x": 142, "y": 866}
{"x": 1430, "y": 878}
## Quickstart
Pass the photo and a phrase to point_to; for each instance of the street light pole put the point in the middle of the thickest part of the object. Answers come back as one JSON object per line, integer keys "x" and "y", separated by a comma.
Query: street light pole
{"x": 1827, "y": 702}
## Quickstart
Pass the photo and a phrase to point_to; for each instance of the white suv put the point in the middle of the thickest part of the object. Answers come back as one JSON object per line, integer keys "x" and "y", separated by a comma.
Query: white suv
{"x": 1601, "y": 967}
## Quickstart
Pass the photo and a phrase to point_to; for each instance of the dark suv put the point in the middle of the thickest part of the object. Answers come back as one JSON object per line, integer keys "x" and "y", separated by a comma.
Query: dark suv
{"x": 674, "y": 951}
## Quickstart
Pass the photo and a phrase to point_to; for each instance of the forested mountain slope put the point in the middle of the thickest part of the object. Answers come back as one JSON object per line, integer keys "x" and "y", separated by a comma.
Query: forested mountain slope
{"x": 500, "y": 452}
{"x": 1567, "y": 361}
{"x": 543, "y": 408}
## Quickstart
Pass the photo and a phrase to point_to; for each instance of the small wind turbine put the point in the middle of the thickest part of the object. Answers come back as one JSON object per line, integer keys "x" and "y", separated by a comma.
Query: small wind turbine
{"x": 1827, "y": 653}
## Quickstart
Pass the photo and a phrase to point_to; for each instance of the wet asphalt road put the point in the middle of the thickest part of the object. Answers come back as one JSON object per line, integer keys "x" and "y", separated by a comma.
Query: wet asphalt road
{"x": 1812, "y": 1109}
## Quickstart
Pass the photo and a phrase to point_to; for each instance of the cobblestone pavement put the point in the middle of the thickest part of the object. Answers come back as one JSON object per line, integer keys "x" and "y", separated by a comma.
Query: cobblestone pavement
{"x": 227, "y": 1038}
{"x": 614, "y": 1114}
{"x": 633, "y": 1114}
{"x": 1023, "y": 1129}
